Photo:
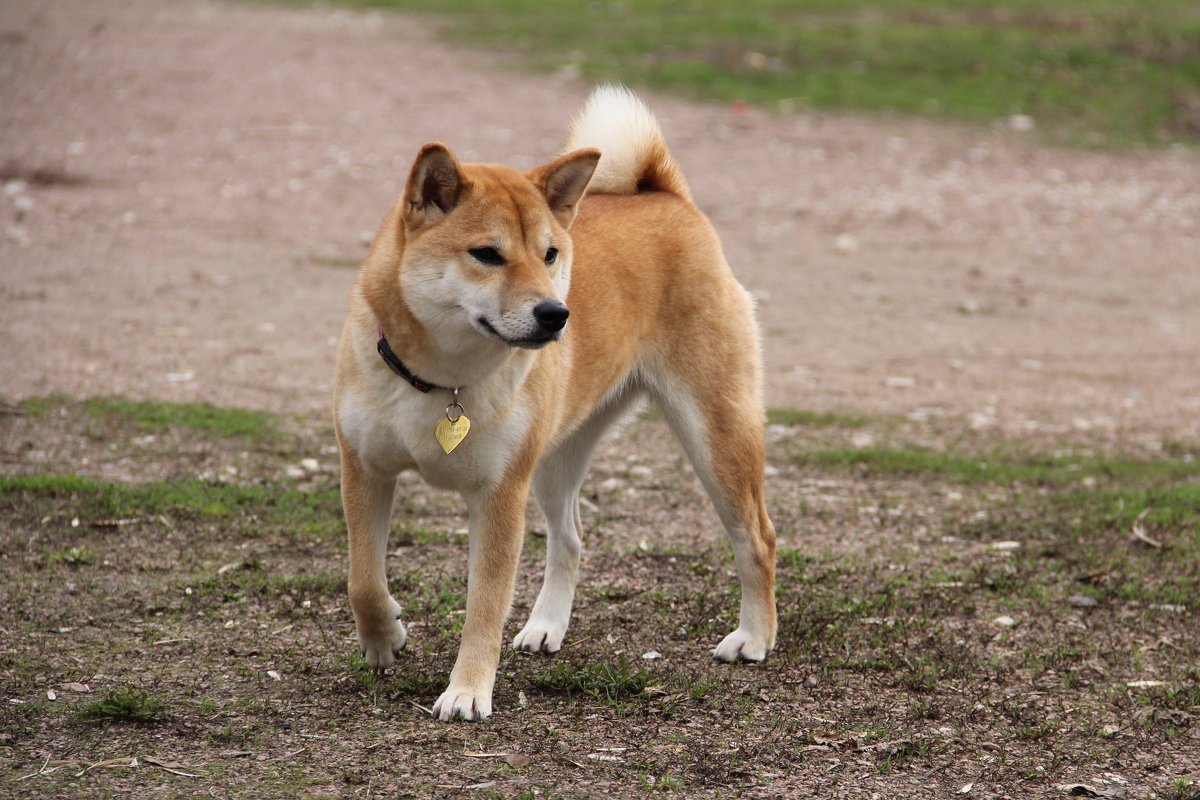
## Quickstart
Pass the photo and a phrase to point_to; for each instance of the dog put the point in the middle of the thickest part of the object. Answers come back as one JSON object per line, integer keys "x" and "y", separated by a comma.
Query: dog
{"x": 501, "y": 322}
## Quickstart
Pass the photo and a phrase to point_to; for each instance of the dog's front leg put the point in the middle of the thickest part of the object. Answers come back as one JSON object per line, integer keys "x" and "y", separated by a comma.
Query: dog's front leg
{"x": 367, "y": 501}
{"x": 496, "y": 532}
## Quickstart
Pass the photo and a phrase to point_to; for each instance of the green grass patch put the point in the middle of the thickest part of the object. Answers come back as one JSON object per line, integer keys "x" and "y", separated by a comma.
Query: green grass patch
{"x": 609, "y": 681}
{"x": 202, "y": 417}
{"x": 252, "y": 578}
{"x": 43, "y": 406}
{"x": 1175, "y": 508}
{"x": 126, "y": 704}
{"x": 815, "y": 419}
{"x": 159, "y": 417}
{"x": 97, "y": 500}
{"x": 73, "y": 556}
{"x": 998, "y": 468}
{"x": 1094, "y": 72}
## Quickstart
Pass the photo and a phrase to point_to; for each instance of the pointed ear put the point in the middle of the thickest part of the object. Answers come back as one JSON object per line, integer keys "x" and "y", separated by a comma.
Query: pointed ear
{"x": 564, "y": 180}
{"x": 435, "y": 185}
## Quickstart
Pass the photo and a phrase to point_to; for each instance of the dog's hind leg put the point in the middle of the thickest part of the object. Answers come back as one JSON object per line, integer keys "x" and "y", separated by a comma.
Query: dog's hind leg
{"x": 720, "y": 425}
{"x": 556, "y": 488}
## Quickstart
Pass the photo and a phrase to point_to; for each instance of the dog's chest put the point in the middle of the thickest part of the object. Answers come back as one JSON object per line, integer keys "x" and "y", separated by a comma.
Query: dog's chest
{"x": 397, "y": 433}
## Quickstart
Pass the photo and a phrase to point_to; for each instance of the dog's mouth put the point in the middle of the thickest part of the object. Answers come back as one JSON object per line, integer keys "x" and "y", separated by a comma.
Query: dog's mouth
{"x": 529, "y": 343}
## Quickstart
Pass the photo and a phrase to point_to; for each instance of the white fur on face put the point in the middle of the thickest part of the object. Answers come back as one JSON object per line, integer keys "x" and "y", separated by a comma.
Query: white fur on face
{"x": 442, "y": 299}
{"x": 457, "y": 307}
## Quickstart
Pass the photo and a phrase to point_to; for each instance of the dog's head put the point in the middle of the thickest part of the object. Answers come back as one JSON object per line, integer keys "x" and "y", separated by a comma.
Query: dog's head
{"x": 486, "y": 250}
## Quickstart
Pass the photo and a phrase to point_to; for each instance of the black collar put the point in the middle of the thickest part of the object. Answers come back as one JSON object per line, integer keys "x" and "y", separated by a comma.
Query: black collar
{"x": 389, "y": 358}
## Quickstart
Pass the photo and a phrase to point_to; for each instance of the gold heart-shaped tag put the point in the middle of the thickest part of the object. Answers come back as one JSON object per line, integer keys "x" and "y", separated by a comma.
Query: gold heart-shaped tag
{"x": 450, "y": 434}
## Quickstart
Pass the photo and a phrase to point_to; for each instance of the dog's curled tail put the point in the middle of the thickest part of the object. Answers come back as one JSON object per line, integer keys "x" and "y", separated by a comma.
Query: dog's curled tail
{"x": 633, "y": 153}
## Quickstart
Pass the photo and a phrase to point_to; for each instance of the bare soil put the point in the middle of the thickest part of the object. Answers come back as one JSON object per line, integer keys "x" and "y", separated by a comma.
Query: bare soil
{"x": 198, "y": 181}
{"x": 932, "y": 635}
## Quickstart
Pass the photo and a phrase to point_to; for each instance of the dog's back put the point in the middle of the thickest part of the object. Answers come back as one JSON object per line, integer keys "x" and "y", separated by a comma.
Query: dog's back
{"x": 649, "y": 272}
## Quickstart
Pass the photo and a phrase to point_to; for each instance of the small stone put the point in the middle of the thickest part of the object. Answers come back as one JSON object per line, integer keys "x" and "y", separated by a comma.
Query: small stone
{"x": 1082, "y": 601}
{"x": 862, "y": 440}
{"x": 845, "y": 244}
{"x": 755, "y": 60}
{"x": 652, "y": 655}
{"x": 1174, "y": 608}
{"x": 1005, "y": 621}
{"x": 899, "y": 382}
{"x": 1021, "y": 122}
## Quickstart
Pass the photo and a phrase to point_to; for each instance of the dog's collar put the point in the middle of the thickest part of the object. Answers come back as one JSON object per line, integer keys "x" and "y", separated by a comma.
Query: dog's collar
{"x": 389, "y": 357}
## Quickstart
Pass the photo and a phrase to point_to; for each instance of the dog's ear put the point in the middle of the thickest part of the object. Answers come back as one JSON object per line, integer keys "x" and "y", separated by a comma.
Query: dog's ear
{"x": 435, "y": 185}
{"x": 564, "y": 180}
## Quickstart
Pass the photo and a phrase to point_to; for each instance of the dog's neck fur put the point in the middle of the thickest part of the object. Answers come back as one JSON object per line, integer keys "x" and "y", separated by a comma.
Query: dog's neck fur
{"x": 466, "y": 362}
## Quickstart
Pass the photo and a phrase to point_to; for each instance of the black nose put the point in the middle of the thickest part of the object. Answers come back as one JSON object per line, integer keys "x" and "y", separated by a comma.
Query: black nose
{"x": 551, "y": 314}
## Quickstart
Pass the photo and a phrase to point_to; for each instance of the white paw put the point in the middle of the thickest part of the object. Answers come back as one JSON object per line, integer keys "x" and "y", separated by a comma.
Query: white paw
{"x": 459, "y": 702}
{"x": 381, "y": 645}
{"x": 741, "y": 645}
{"x": 539, "y": 636}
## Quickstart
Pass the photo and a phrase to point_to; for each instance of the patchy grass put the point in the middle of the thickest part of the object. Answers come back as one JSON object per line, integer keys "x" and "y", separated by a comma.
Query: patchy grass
{"x": 200, "y": 417}
{"x": 940, "y": 623}
{"x": 157, "y": 416}
{"x": 815, "y": 419}
{"x": 1093, "y": 72}
{"x": 126, "y": 704}
{"x": 608, "y": 681}
{"x": 106, "y": 503}
{"x": 1034, "y": 469}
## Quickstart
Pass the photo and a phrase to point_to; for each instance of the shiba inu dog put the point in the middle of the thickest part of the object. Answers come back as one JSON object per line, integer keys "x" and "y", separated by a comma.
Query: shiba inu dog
{"x": 502, "y": 321}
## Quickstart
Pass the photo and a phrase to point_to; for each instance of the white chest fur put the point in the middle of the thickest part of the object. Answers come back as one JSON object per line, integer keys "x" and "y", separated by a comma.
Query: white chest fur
{"x": 390, "y": 425}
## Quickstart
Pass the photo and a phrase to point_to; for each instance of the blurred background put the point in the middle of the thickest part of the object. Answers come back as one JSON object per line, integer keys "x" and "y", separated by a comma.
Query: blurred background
{"x": 1088, "y": 72}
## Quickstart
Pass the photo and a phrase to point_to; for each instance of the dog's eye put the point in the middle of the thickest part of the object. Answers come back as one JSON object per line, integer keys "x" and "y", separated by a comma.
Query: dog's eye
{"x": 487, "y": 255}
{"x": 551, "y": 255}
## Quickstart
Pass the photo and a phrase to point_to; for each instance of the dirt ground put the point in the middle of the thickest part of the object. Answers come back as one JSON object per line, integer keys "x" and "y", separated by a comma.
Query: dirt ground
{"x": 191, "y": 185}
